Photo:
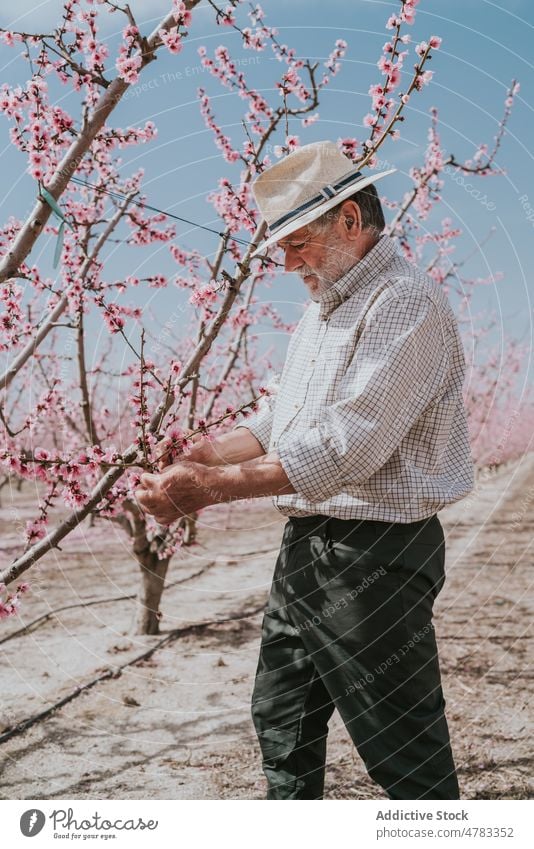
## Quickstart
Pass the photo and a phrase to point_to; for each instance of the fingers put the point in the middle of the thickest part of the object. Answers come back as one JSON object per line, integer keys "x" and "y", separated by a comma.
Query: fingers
{"x": 170, "y": 494}
{"x": 150, "y": 506}
{"x": 166, "y": 454}
{"x": 147, "y": 480}
{"x": 143, "y": 495}
{"x": 153, "y": 499}
{"x": 142, "y": 500}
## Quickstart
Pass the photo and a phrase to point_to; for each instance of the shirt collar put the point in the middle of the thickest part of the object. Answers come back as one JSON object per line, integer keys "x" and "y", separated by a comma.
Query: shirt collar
{"x": 365, "y": 270}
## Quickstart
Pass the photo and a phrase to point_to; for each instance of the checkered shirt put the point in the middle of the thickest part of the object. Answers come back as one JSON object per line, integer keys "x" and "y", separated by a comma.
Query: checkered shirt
{"x": 367, "y": 415}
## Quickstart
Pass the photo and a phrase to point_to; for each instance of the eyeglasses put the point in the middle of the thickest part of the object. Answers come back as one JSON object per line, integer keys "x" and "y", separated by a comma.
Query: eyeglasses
{"x": 297, "y": 246}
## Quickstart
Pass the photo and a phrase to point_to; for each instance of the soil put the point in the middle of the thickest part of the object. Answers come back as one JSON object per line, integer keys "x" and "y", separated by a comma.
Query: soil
{"x": 177, "y": 724}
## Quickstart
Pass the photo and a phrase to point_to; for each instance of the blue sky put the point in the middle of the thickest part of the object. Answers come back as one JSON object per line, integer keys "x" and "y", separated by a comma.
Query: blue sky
{"x": 485, "y": 45}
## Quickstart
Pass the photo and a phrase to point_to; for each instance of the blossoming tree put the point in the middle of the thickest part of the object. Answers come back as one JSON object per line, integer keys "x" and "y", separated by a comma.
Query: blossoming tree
{"x": 64, "y": 434}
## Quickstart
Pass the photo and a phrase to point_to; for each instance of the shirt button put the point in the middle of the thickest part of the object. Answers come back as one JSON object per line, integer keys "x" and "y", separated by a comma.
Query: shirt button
{"x": 296, "y": 406}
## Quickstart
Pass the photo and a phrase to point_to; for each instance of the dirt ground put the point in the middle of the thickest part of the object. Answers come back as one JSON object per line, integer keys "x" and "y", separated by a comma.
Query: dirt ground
{"x": 177, "y": 724}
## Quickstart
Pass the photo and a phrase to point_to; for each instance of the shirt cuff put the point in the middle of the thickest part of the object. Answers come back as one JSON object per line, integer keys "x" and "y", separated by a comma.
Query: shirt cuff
{"x": 310, "y": 468}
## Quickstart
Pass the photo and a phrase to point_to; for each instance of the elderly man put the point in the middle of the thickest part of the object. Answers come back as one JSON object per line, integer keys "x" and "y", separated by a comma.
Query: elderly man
{"x": 363, "y": 443}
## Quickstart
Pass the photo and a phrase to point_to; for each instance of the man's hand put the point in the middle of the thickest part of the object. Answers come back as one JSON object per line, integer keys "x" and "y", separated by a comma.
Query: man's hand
{"x": 185, "y": 487}
{"x": 178, "y": 491}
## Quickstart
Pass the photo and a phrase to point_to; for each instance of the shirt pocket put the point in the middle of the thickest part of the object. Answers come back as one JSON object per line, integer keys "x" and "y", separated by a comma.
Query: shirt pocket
{"x": 333, "y": 358}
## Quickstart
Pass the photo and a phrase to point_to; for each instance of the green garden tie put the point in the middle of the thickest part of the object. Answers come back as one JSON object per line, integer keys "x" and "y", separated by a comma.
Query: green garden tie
{"x": 58, "y": 212}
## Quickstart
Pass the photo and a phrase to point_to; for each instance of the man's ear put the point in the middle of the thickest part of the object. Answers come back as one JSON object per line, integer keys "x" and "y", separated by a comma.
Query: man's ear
{"x": 350, "y": 219}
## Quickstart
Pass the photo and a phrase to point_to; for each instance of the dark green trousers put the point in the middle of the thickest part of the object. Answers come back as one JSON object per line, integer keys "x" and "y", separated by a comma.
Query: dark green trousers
{"x": 348, "y": 625}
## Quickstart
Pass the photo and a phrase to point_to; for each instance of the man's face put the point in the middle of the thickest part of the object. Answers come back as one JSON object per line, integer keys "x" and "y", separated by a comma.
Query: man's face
{"x": 318, "y": 258}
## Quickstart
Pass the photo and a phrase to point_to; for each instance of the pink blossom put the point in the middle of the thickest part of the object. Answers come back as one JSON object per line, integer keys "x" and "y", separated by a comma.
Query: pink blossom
{"x": 178, "y": 254}
{"x": 73, "y": 495}
{"x": 128, "y": 68}
{"x": 182, "y": 14}
{"x": 408, "y": 11}
{"x": 222, "y": 141}
{"x": 435, "y": 42}
{"x": 332, "y": 64}
{"x": 310, "y": 119}
{"x": 256, "y": 14}
{"x": 35, "y": 530}
{"x": 227, "y": 17}
{"x": 292, "y": 143}
{"x": 349, "y": 147}
{"x": 385, "y": 65}
{"x": 10, "y": 605}
{"x": 205, "y": 296}
{"x": 242, "y": 318}
{"x": 6, "y": 609}
{"x": 394, "y": 77}
{"x": 157, "y": 281}
{"x": 423, "y": 79}
{"x": 171, "y": 39}
{"x": 421, "y": 48}
{"x": 9, "y": 38}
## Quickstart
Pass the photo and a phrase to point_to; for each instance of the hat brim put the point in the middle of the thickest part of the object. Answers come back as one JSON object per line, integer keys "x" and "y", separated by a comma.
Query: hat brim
{"x": 317, "y": 211}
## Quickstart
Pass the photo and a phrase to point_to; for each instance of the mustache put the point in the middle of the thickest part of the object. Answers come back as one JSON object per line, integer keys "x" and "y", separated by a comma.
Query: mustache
{"x": 305, "y": 270}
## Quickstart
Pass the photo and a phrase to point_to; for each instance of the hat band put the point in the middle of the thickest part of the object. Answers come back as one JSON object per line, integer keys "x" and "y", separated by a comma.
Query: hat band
{"x": 327, "y": 192}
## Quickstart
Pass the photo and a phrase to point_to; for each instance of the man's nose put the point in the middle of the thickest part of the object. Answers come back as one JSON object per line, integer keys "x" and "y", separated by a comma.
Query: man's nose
{"x": 292, "y": 260}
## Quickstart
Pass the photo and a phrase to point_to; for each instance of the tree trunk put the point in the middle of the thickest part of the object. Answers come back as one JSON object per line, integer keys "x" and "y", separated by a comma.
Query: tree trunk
{"x": 153, "y": 573}
{"x": 147, "y": 614}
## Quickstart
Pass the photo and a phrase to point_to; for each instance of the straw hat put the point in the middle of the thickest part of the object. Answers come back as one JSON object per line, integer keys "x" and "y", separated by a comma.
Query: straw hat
{"x": 304, "y": 184}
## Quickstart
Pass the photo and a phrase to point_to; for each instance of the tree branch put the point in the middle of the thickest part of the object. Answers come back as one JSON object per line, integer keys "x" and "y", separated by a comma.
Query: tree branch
{"x": 33, "y": 227}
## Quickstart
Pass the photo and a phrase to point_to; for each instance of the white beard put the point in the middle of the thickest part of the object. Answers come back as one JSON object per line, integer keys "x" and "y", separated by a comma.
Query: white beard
{"x": 336, "y": 264}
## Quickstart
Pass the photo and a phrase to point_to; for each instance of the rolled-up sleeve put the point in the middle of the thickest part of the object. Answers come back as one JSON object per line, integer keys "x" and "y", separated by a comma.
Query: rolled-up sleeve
{"x": 260, "y": 424}
{"x": 399, "y": 365}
